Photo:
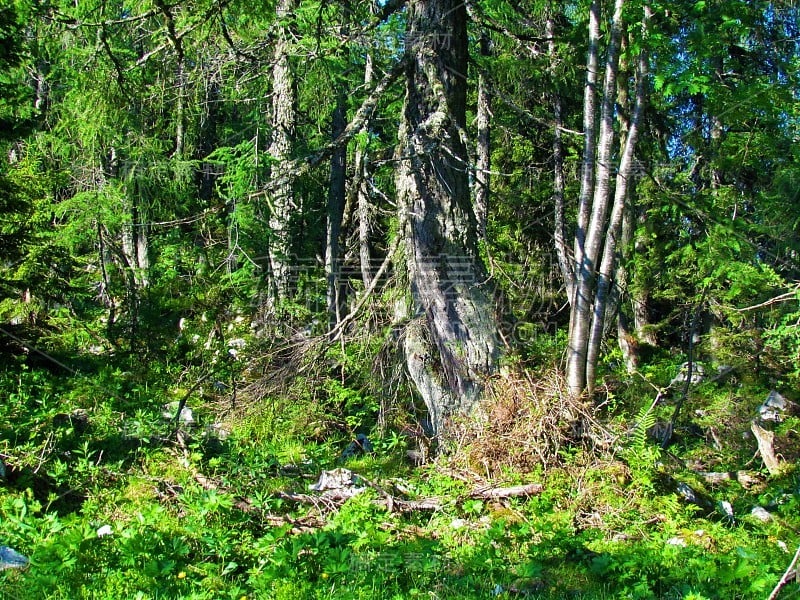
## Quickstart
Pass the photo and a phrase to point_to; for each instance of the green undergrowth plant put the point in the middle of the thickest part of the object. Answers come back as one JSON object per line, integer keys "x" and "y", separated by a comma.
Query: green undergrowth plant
{"x": 115, "y": 507}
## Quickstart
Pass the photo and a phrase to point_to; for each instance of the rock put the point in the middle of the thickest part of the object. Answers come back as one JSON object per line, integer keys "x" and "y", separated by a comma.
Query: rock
{"x": 762, "y": 514}
{"x": 78, "y": 420}
{"x": 774, "y": 407}
{"x": 698, "y": 374}
{"x": 360, "y": 445}
{"x": 677, "y": 541}
{"x": 219, "y": 431}
{"x": 104, "y": 531}
{"x": 11, "y": 559}
{"x": 726, "y": 510}
{"x": 336, "y": 479}
{"x": 185, "y": 418}
{"x": 235, "y": 346}
{"x": 688, "y": 494}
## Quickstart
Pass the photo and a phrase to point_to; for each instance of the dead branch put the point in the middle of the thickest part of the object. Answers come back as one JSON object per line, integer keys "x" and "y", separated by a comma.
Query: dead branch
{"x": 791, "y": 573}
{"x": 785, "y": 297}
{"x": 766, "y": 441}
{"x": 530, "y": 489}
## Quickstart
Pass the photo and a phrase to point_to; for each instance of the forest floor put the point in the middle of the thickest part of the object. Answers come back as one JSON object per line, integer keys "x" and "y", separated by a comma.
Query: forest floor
{"x": 259, "y": 494}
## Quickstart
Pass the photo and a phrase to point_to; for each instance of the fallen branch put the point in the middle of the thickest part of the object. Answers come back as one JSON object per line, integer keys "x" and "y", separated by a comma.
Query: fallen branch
{"x": 531, "y": 489}
{"x": 791, "y": 573}
{"x": 339, "y": 486}
{"x": 333, "y": 499}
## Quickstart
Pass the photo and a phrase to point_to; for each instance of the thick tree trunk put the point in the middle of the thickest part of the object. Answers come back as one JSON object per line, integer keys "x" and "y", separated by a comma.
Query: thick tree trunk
{"x": 282, "y": 177}
{"x": 451, "y": 343}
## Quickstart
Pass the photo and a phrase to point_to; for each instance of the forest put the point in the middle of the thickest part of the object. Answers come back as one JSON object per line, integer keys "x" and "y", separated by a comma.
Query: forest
{"x": 399, "y": 299}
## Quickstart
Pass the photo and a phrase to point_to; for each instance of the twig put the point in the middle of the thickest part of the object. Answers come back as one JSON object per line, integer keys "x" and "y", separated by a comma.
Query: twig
{"x": 336, "y": 332}
{"x": 791, "y": 573}
{"x": 785, "y": 297}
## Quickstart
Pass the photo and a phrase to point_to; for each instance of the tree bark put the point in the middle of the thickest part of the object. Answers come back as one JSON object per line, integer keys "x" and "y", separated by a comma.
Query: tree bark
{"x": 360, "y": 184}
{"x": 598, "y": 240}
{"x": 593, "y": 203}
{"x": 610, "y": 259}
{"x": 336, "y": 201}
{"x": 559, "y": 224}
{"x": 450, "y": 344}
{"x": 484, "y": 148}
{"x": 337, "y": 194}
{"x": 589, "y": 140}
{"x": 281, "y": 147}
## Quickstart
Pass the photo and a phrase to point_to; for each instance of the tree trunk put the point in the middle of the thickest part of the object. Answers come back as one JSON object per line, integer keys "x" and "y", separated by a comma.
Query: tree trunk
{"x": 361, "y": 191}
{"x": 609, "y": 261}
{"x": 337, "y": 196}
{"x": 593, "y": 202}
{"x": 451, "y": 343}
{"x": 336, "y": 201}
{"x": 594, "y": 229}
{"x": 559, "y": 224}
{"x": 282, "y": 178}
{"x": 589, "y": 140}
{"x": 483, "y": 160}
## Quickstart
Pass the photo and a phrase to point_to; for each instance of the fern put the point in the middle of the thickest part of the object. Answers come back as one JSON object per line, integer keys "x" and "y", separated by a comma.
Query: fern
{"x": 645, "y": 419}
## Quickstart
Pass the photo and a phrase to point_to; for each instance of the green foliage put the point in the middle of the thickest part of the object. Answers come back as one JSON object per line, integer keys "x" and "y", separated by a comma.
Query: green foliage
{"x": 598, "y": 530}
{"x": 97, "y": 339}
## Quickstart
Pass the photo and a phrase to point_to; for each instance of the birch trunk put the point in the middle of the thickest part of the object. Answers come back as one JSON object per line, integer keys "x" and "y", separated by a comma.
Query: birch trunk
{"x": 609, "y": 260}
{"x": 595, "y": 230}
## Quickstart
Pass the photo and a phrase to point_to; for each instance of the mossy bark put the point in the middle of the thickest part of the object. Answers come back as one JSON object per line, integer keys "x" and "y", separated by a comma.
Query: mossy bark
{"x": 451, "y": 344}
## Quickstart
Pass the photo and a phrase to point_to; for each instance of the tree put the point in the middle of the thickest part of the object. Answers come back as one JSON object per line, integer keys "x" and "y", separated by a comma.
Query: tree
{"x": 450, "y": 344}
{"x": 15, "y": 110}
{"x": 597, "y": 233}
{"x": 283, "y": 125}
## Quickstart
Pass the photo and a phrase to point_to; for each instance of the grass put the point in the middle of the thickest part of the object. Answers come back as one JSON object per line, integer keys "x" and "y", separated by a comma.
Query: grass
{"x": 114, "y": 508}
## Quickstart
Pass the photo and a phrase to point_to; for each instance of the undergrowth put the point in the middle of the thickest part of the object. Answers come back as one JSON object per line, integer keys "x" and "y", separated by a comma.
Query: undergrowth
{"x": 108, "y": 503}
